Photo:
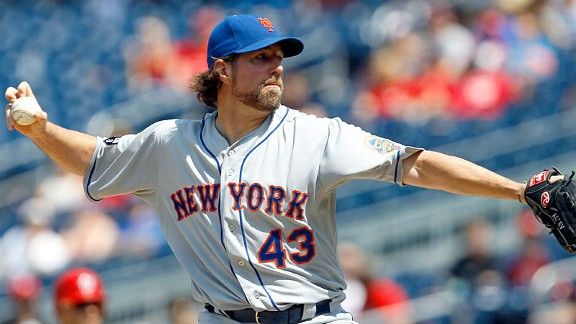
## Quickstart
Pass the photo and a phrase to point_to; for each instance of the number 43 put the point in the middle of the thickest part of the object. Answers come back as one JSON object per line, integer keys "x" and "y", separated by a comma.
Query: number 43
{"x": 273, "y": 248}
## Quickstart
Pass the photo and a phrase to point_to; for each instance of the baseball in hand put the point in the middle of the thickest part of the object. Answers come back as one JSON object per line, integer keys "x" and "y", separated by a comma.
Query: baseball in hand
{"x": 24, "y": 109}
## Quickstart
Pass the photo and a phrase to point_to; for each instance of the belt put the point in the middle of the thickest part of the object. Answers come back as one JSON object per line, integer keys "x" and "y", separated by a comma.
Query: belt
{"x": 290, "y": 315}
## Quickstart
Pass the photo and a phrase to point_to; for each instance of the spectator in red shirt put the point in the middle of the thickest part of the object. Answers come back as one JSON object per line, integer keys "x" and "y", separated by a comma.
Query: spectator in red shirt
{"x": 190, "y": 52}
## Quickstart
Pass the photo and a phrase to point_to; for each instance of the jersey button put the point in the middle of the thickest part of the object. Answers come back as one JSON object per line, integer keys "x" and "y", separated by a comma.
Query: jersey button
{"x": 230, "y": 172}
{"x": 241, "y": 263}
{"x": 231, "y": 152}
{"x": 231, "y": 228}
{"x": 257, "y": 295}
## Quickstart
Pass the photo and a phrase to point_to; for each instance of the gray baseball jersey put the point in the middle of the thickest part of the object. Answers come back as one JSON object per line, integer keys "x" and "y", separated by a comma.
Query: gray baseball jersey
{"x": 253, "y": 223}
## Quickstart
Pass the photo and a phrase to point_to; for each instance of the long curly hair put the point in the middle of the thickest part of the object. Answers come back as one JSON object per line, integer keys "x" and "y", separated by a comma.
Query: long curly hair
{"x": 206, "y": 84}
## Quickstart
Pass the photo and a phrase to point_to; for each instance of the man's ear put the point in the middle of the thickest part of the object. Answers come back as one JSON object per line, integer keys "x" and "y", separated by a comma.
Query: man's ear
{"x": 223, "y": 70}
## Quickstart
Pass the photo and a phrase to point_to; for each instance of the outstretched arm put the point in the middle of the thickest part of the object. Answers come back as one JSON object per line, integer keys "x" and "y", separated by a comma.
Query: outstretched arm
{"x": 69, "y": 149}
{"x": 434, "y": 170}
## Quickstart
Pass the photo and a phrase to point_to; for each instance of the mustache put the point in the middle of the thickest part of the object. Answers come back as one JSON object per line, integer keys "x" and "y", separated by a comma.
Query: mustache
{"x": 277, "y": 82}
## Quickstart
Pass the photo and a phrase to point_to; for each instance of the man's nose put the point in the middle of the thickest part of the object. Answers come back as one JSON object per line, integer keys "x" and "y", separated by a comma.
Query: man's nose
{"x": 278, "y": 69}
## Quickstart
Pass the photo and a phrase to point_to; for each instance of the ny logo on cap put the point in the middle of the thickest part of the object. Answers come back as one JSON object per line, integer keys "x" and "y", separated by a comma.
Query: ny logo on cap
{"x": 265, "y": 22}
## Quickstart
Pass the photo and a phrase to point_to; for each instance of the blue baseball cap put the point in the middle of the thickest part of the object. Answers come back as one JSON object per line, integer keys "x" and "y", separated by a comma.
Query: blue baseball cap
{"x": 246, "y": 33}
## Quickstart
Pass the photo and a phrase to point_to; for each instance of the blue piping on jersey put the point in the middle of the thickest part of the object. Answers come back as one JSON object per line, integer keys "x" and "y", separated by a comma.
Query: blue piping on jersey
{"x": 206, "y": 147}
{"x": 241, "y": 212}
{"x": 397, "y": 165}
{"x": 90, "y": 181}
{"x": 221, "y": 188}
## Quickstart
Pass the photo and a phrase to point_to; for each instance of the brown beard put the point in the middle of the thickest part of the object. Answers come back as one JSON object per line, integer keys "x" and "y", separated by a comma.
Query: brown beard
{"x": 262, "y": 99}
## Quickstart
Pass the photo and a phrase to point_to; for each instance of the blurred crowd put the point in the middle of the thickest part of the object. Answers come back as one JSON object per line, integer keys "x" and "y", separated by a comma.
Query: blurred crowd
{"x": 59, "y": 226}
{"x": 416, "y": 68}
{"x": 429, "y": 65}
{"x": 465, "y": 64}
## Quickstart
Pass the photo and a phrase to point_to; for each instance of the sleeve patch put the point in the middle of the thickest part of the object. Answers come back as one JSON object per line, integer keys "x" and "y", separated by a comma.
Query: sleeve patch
{"x": 380, "y": 145}
{"x": 111, "y": 140}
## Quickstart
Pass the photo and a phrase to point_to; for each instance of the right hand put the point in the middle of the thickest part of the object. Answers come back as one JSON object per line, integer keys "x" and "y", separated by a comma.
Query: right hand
{"x": 12, "y": 94}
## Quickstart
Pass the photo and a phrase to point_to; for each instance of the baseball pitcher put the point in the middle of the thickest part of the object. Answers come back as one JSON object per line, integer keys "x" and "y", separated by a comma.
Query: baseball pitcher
{"x": 246, "y": 195}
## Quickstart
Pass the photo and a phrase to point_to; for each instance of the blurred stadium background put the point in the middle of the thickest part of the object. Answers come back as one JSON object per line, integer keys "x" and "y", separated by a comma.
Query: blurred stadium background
{"x": 489, "y": 81}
